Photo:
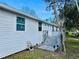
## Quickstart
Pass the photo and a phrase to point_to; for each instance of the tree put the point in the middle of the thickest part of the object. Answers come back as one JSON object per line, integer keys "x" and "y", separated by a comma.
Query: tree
{"x": 52, "y": 5}
{"x": 28, "y": 10}
{"x": 57, "y": 7}
{"x": 71, "y": 16}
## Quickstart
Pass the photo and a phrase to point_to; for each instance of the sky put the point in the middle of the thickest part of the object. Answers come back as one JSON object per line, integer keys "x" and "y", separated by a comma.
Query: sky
{"x": 39, "y": 6}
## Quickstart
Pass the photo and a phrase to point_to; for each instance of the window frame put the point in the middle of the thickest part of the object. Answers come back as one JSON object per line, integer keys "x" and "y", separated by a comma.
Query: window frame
{"x": 52, "y": 28}
{"x": 20, "y": 22}
{"x": 39, "y": 26}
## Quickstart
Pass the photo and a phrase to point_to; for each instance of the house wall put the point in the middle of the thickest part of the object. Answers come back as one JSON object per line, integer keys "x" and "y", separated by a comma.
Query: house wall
{"x": 12, "y": 41}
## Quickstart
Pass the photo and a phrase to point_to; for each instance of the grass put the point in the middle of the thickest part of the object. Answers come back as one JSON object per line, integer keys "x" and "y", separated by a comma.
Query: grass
{"x": 72, "y": 52}
{"x": 35, "y": 54}
{"x": 72, "y": 35}
{"x": 72, "y": 49}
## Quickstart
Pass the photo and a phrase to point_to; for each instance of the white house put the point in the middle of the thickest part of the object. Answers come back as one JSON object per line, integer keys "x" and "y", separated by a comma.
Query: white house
{"x": 17, "y": 28}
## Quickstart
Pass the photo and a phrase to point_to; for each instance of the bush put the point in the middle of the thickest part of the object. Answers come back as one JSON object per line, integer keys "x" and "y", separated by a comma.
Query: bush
{"x": 72, "y": 34}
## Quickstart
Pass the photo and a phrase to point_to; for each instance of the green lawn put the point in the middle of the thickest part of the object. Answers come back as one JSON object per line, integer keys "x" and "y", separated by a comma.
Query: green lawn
{"x": 35, "y": 54}
{"x": 72, "y": 52}
{"x": 72, "y": 49}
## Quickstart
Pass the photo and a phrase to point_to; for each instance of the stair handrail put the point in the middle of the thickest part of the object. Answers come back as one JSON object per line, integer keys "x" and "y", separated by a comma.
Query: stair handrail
{"x": 45, "y": 35}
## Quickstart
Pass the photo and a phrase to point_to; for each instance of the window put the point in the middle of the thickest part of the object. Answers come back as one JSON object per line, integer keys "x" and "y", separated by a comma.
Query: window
{"x": 54, "y": 46}
{"x": 57, "y": 45}
{"x": 20, "y": 25}
{"x": 40, "y": 26}
{"x": 56, "y": 29}
{"x": 52, "y": 28}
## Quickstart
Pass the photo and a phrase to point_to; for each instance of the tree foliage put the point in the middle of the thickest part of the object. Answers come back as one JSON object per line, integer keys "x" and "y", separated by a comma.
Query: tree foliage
{"x": 69, "y": 12}
{"x": 55, "y": 4}
{"x": 71, "y": 16}
{"x": 28, "y": 11}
